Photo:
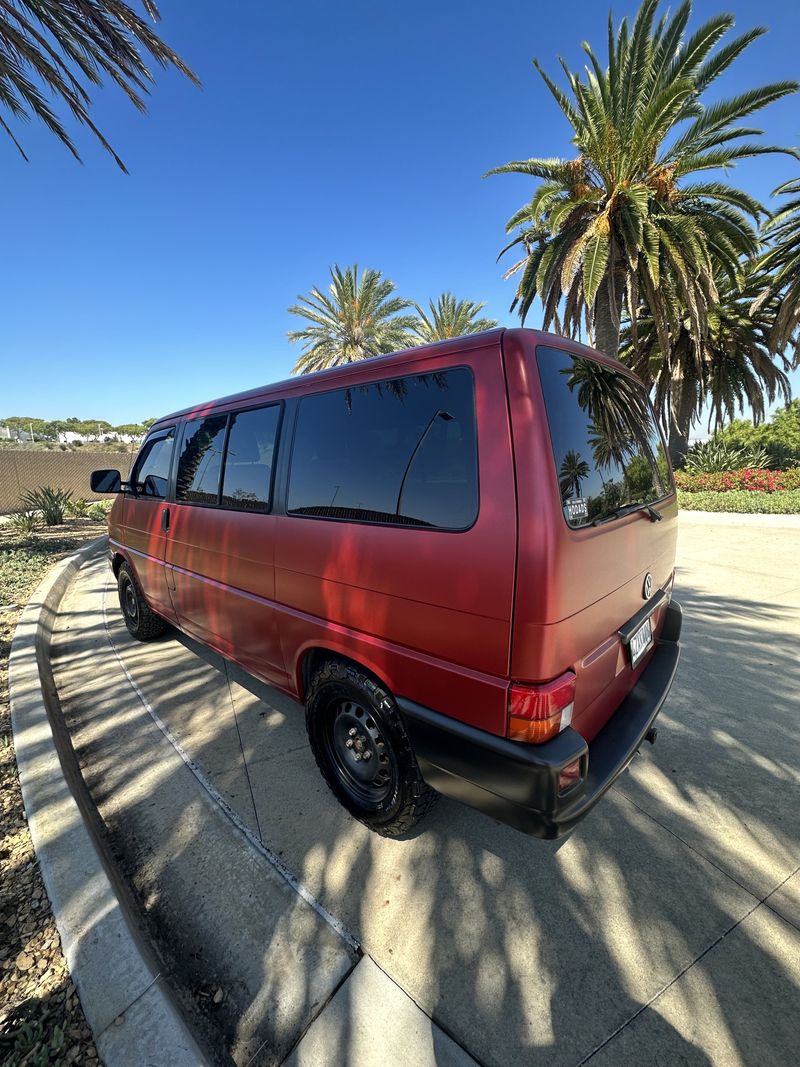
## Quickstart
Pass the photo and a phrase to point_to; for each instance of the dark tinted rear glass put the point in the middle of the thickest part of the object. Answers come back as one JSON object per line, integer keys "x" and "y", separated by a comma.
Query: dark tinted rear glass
{"x": 609, "y": 454}
{"x": 400, "y": 451}
{"x": 201, "y": 460}
{"x": 248, "y": 460}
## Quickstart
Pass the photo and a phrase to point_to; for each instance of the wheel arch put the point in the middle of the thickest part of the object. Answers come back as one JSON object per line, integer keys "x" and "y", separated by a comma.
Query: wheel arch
{"x": 312, "y": 658}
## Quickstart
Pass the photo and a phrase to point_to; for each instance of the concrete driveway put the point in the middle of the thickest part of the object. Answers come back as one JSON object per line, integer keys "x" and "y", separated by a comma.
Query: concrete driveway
{"x": 664, "y": 930}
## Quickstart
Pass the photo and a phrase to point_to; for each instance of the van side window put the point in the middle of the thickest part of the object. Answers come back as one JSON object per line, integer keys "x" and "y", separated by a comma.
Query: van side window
{"x": 249, "y": 459}
{"x": 151, "y": 474}
{"x": 401, "y": 452}
{"x": 200, "y": 463}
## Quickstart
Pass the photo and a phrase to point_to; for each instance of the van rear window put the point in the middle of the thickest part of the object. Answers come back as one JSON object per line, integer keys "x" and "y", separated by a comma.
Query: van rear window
{"x": 401, "y": 452}
{"x": 608, "y": 452}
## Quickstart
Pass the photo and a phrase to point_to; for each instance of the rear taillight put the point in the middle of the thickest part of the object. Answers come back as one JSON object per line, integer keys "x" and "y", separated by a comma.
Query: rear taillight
{"x": 538, "y": 712}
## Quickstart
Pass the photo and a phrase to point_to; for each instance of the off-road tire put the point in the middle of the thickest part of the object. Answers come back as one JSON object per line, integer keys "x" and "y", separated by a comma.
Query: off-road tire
{"x": 340, "y": 693}
{"x": 142, "y": 622}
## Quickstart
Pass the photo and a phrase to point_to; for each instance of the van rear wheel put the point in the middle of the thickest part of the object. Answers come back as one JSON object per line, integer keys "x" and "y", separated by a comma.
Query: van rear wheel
{"x": 142, "y": 623}
{"x": 363, "y": 751}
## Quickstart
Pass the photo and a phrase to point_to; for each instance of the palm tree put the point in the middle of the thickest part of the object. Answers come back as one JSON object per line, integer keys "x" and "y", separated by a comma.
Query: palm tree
{"x": 55, "y": 50}
{"x": 734, "y": 364}
{"x": 622, "y": 219}
{"x": 357, "y": 318}
{"x": 782, "y": 262}
{"x": 574, "y": 469}
{"x": 450, "y": 318}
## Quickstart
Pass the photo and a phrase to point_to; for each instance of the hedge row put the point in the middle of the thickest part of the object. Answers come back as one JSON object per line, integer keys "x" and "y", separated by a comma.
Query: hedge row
{"x": 750, "y": 481}
{"x": 742, "y": 501}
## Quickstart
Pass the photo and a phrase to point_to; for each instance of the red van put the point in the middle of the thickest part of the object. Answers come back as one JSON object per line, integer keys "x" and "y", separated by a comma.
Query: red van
{"x": 459, "y": 557}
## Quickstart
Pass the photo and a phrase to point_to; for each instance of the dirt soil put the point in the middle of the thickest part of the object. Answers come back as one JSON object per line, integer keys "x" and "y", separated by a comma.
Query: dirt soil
{"x": 41, "y": 1019}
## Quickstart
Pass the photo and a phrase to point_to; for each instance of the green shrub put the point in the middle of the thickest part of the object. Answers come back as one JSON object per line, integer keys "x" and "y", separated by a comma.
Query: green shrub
{"x": 23, "y": 522}
{"x": 77, "y": 509}
{"x": 51, "y": 503}
{"x": 780, "y": 437}
{"x": 743, "y": 502}
{"x": 98, "y": 511}
{"x": 711, "y": 457}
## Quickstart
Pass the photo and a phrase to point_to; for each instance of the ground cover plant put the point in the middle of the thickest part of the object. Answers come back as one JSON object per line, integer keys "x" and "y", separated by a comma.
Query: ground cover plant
{"x": 41, "y": 1019}
{"x": 742, "y": 502}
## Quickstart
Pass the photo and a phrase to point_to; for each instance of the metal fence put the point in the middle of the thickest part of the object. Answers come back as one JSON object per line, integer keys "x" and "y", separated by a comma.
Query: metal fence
{"x": 22, "y": 470}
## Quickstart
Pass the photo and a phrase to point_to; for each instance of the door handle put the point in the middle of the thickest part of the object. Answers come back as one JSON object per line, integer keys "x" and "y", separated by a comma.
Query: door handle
{"x": 165, "y": 519}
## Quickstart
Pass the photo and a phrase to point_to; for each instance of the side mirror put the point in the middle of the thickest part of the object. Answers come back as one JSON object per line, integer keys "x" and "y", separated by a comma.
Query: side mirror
{"x": 105, "y": 481}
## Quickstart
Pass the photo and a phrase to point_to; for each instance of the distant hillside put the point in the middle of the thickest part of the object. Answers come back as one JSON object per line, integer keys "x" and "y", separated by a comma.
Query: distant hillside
{"x": 95, "y": 429}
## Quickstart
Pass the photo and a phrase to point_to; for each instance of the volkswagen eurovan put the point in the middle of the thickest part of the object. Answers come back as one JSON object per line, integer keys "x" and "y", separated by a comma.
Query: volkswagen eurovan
{"x": 459, "y": 557}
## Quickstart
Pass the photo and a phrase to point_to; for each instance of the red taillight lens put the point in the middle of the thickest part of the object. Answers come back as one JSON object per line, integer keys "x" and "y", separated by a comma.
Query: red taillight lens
{"x": 569, "y": 776}
{"x": 538, "y": 712}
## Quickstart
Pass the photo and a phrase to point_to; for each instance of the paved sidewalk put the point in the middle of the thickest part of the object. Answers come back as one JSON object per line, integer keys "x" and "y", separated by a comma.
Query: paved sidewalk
{"x": 664, "y": 930}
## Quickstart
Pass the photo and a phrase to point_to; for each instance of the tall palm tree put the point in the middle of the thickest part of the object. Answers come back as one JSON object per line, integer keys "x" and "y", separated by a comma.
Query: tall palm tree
{"x": 734, "y": 364}
{"x": 54, "y": 50}
{"x": 450, "y": 318}
{"x": 574, "y": 469}
{"x": 358, "y": 317}
{"x": 622, "y": 217}
{"x": 782, "y": 263}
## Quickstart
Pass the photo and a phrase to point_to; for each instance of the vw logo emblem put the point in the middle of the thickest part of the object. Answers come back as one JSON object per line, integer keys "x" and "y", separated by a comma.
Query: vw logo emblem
{"x": 648, "y": 586}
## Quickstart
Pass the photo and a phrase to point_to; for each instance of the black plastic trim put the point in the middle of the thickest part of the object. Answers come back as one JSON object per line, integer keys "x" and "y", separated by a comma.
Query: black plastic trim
{"x": 627, "y": 631}
{"x": 517, "y": 783}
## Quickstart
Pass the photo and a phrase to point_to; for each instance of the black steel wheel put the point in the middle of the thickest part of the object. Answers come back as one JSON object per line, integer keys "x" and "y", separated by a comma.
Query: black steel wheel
{"x": 363, "y": 751}
{"x": 142, "y": 622}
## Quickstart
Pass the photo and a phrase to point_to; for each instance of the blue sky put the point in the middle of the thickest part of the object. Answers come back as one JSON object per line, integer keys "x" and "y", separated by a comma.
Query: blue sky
{"x": 323, "y": 133}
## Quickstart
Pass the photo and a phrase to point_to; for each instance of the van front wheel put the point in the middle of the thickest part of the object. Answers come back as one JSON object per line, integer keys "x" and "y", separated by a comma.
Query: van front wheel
{"x": 363, "y": 751}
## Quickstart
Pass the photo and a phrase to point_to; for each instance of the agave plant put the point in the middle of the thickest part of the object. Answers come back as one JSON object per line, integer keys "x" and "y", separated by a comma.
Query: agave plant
{"x": 68, "y": 45}
{"x": 712, "y": 457}
{"x": 625, "y": 220}
{"x": 23, "y": 523}
{"x": 449, "y": 317}
{"x": 358, "y": 317}
{"x": 49, "y": 502}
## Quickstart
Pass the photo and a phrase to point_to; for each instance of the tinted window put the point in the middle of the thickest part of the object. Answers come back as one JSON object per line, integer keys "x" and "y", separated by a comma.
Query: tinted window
{"x": 248, "y": 461}
{"x": 201, "y": 460}
{"x": 399, "y": 451}
{"x": 609, "y": 454}
{"x": 151, "y": 474}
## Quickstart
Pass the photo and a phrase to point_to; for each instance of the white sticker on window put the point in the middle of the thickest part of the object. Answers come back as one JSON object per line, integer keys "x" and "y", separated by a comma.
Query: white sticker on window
{"x": 576, "y": 510}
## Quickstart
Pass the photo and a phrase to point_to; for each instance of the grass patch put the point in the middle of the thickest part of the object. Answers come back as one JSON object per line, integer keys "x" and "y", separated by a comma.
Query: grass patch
{"x": 742, "y": 501}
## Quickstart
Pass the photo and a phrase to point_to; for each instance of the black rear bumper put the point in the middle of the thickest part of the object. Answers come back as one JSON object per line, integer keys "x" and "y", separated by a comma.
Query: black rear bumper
{"x": 518, "y": 783}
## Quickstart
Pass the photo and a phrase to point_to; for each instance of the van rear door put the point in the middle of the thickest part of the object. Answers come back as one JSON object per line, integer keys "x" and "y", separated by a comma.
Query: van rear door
{"x": 598, "y": 525}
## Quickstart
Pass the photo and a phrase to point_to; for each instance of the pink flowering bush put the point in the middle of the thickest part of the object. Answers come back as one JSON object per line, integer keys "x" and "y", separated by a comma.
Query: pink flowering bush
{"x": 747, "y": 480}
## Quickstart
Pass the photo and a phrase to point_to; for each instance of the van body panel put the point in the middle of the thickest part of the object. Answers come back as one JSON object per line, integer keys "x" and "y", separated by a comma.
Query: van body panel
{"x": 575, "y": 587}
{"x": 447, "y": 594}
{"x": 146, "y": 545}
{"x": 224, "y": 584}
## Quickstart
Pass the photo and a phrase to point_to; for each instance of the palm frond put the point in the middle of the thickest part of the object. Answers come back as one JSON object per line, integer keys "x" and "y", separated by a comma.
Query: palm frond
{"x": 50, "y": 51}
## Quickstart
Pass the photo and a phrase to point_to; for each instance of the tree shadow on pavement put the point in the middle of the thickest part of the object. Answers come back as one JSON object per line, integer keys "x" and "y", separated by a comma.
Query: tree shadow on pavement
{"x": 521, "y": 950}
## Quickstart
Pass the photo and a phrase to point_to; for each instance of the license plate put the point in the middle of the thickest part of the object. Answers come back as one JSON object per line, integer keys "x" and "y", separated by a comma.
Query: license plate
{"x": 641, "y": 641}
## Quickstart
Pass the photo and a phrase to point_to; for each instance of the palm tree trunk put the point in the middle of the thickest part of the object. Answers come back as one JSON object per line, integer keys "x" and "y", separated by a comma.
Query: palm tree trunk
{"x": 682, "y": 403}
{"x": 607, "y": 313}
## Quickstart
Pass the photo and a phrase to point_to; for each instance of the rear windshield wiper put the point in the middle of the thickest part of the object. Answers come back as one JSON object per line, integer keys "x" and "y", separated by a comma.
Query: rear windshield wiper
{"x": 629, "y": 509}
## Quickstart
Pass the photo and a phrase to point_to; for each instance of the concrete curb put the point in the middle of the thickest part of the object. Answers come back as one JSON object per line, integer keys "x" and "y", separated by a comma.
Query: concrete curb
{"x": 126, "y": 1001}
